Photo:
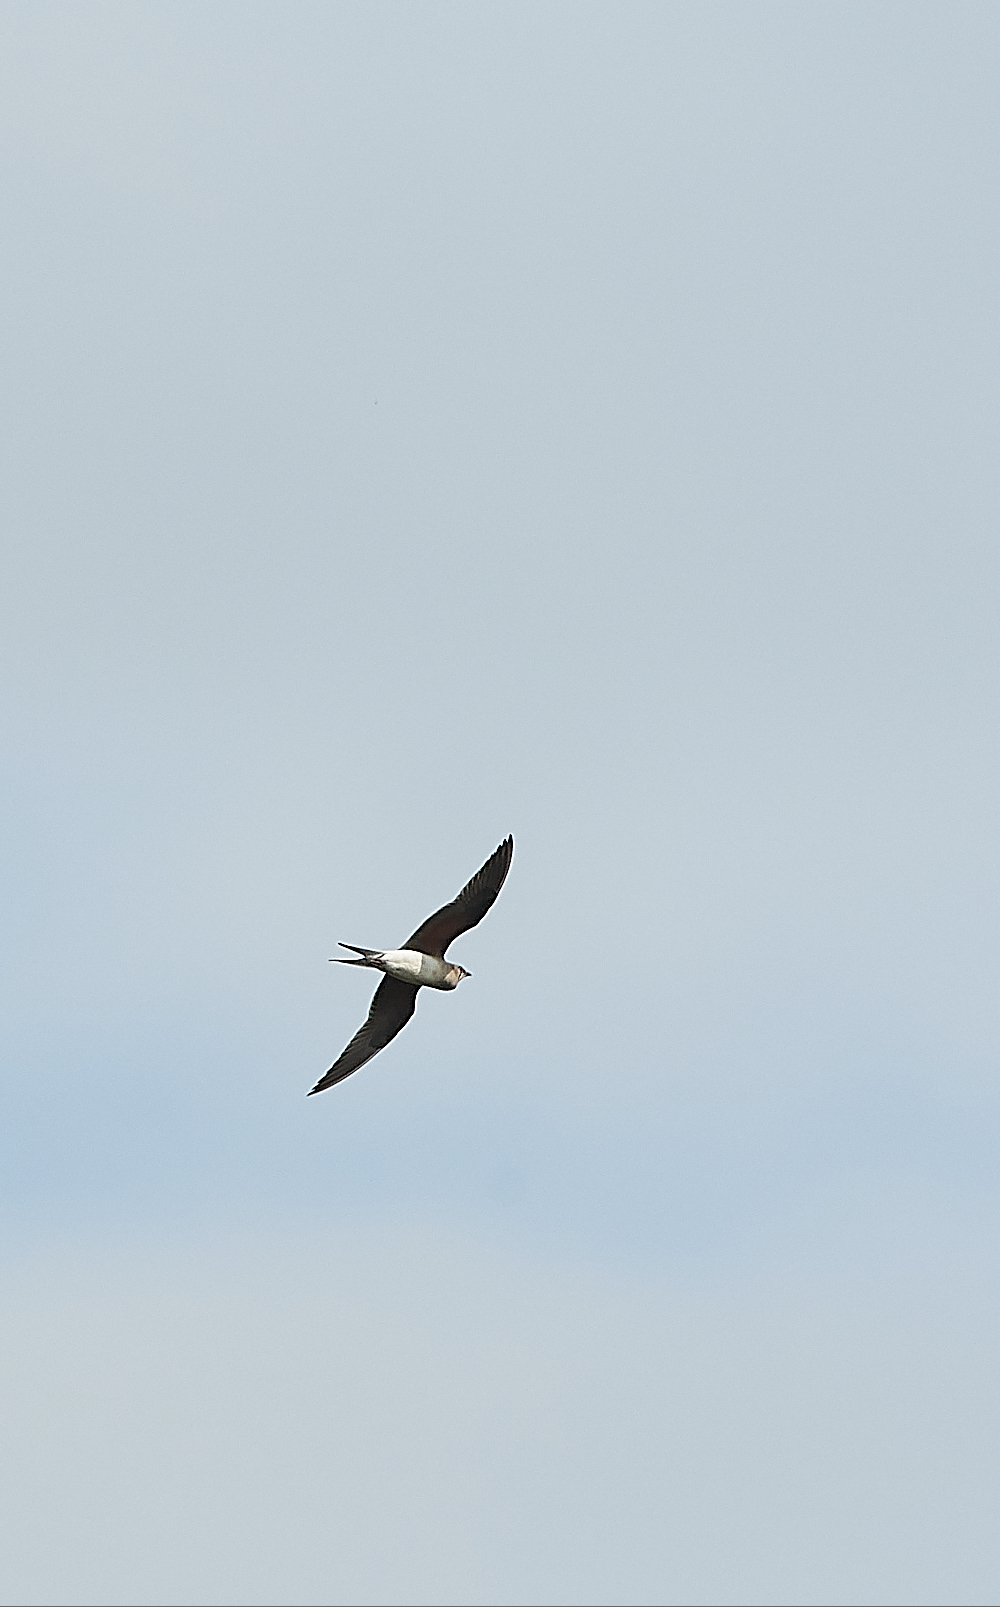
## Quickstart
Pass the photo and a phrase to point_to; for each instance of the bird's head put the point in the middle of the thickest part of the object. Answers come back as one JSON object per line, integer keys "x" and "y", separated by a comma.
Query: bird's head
{"x": 462, "y": 972}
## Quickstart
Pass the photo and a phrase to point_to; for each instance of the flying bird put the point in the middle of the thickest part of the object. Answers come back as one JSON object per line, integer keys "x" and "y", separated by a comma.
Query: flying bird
{"x": 420, "y": 963}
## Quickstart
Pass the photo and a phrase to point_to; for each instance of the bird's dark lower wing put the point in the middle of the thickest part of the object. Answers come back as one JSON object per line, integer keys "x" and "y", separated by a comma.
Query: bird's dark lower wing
{"x": 468, "y": 909}
{"x": 392, "y": 1007}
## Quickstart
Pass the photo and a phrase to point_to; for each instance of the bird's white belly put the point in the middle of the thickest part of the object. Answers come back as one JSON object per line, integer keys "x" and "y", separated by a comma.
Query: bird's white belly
{"x": 423, "y": 970}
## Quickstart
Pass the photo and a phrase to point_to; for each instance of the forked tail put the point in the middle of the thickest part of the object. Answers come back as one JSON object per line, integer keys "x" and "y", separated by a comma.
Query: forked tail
{"x": 368, "y": 956}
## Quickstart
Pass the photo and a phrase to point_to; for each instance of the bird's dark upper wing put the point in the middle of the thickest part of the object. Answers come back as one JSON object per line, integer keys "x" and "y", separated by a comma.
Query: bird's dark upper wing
{"x": 392, "y": 1007}
{"x": 467, "y": 909}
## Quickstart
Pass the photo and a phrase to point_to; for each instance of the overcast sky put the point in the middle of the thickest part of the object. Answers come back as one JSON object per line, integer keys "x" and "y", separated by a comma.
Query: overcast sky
{"x": 422, "y": 423}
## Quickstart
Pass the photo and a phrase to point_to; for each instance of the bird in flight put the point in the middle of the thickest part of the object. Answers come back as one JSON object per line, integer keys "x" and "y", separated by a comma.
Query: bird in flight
{"x": 420, "y": 963}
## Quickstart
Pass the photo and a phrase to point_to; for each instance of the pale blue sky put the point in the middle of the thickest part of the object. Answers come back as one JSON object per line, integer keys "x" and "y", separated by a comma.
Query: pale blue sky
{"x": 423, "y": 423}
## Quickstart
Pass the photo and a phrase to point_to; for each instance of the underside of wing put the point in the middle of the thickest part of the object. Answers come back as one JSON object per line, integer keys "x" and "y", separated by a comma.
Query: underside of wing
{"x": 468, "y": 909}
{"x": 392, "y": 1007}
